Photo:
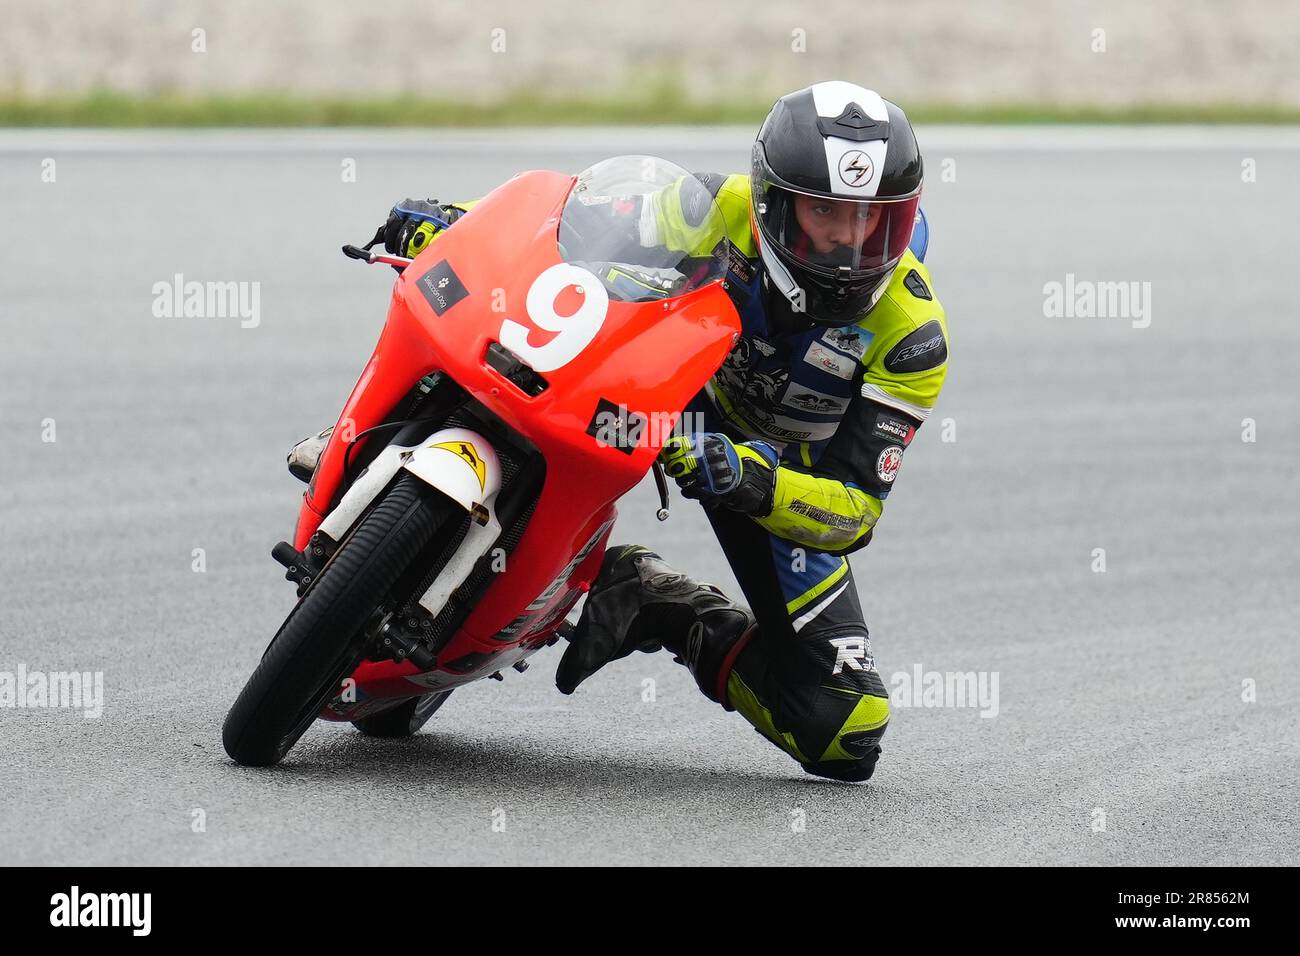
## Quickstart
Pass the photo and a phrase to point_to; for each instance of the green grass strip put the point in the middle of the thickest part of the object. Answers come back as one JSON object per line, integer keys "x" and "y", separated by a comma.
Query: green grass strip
{"x": 662, "y": 104}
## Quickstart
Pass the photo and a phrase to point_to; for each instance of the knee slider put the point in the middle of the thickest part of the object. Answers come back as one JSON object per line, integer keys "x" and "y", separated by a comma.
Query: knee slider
{"x": 850, "y": 771}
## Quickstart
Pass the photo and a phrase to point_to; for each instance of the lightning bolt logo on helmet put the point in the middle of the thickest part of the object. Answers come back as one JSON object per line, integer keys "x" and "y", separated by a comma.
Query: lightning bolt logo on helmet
{"x": 855, "y": 168}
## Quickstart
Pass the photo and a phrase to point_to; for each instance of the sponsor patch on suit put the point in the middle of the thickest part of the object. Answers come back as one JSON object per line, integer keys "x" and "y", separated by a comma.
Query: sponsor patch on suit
{"x": 830, "y": 361}
{"x": 888, "y": 462}
{"x": 892, "y": 428}
{"x": 851, "y": 339}
{"x": 811, "y": 400}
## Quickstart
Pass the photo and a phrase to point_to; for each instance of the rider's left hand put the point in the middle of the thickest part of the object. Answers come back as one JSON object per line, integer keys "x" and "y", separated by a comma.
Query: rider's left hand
{"x": 412, "y": 224}
{"x": 711, "y": 467}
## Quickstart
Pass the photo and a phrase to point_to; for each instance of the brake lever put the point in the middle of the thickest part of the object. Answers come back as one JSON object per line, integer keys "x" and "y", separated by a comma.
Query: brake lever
{"x": 379, "y": 237}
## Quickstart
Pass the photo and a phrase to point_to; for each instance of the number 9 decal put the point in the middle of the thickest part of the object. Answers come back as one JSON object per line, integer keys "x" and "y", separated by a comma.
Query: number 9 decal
{"x": 575, "y": 331}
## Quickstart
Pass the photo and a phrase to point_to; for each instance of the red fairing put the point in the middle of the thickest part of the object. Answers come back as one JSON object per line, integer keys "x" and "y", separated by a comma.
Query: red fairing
{"x": 649, "y": 358}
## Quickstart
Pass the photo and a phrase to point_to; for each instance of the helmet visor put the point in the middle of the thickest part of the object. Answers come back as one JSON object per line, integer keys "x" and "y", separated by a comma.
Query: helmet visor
{"x": 825, "y": 234}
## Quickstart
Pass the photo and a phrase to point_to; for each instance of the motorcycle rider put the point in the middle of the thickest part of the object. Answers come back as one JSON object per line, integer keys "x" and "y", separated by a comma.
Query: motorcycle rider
{"x": 842, "y": 356}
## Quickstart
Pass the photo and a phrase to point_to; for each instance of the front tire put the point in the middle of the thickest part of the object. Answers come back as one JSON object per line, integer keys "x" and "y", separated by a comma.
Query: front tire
{"x": 323, "y": 638}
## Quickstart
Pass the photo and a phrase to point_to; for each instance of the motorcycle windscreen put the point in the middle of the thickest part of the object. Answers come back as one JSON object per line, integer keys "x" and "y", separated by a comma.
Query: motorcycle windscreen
{"x": 647, "y": 228}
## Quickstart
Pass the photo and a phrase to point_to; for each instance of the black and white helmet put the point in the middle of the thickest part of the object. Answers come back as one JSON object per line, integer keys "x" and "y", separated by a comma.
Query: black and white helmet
{"x": 836, "y": 183}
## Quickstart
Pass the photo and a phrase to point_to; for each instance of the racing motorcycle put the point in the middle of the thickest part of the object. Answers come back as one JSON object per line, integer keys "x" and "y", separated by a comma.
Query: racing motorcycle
{"x": 532, "y": 365}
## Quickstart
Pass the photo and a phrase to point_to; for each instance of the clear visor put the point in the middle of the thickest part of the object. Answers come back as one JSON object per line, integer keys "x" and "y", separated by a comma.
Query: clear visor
{"x": 868, "y": 236}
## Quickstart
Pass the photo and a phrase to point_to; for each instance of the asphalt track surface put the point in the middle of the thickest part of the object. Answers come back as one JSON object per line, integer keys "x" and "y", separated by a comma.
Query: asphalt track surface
{"x": 1160, "y": 692}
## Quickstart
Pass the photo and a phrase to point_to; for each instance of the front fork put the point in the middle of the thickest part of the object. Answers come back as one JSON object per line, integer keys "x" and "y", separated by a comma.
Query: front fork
{"x": 458, "y": 462}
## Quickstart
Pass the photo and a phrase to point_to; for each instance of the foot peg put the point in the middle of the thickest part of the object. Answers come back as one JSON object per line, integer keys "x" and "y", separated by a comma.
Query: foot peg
{"x": 295, "y": 563}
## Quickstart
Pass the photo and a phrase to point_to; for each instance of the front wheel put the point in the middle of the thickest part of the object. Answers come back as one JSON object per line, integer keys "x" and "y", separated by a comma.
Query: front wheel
{"x": 323, "y": 638}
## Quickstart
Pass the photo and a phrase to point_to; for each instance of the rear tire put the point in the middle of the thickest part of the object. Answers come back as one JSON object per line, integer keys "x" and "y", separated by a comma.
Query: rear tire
{"x": 404, "y": 719}
{"x": 322, "y": 640}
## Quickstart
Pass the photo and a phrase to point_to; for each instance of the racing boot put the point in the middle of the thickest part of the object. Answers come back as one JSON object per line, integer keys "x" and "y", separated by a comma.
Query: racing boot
{"x": 302, "y": 457}
{"x": 639, "y": 603}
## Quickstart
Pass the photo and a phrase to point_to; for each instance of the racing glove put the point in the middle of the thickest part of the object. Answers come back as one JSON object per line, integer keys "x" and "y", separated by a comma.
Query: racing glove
{"x": 412, "y": 224}
{"x": 712, "y": 468}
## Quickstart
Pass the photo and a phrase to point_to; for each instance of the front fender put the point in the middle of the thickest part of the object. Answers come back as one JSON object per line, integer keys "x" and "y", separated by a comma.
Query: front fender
{"x": 460, "y": 463}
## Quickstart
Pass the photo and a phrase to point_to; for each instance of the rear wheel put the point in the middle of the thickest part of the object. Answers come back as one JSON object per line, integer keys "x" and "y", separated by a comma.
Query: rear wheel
{"x": 323, "y": 638}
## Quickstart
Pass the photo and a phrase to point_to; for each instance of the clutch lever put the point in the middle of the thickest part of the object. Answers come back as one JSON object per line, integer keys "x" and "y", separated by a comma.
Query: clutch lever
{"x": 364, "y": 254}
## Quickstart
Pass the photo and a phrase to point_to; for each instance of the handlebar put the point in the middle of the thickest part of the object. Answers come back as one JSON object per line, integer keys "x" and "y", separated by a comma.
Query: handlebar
{"x": 355, "y": 252}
